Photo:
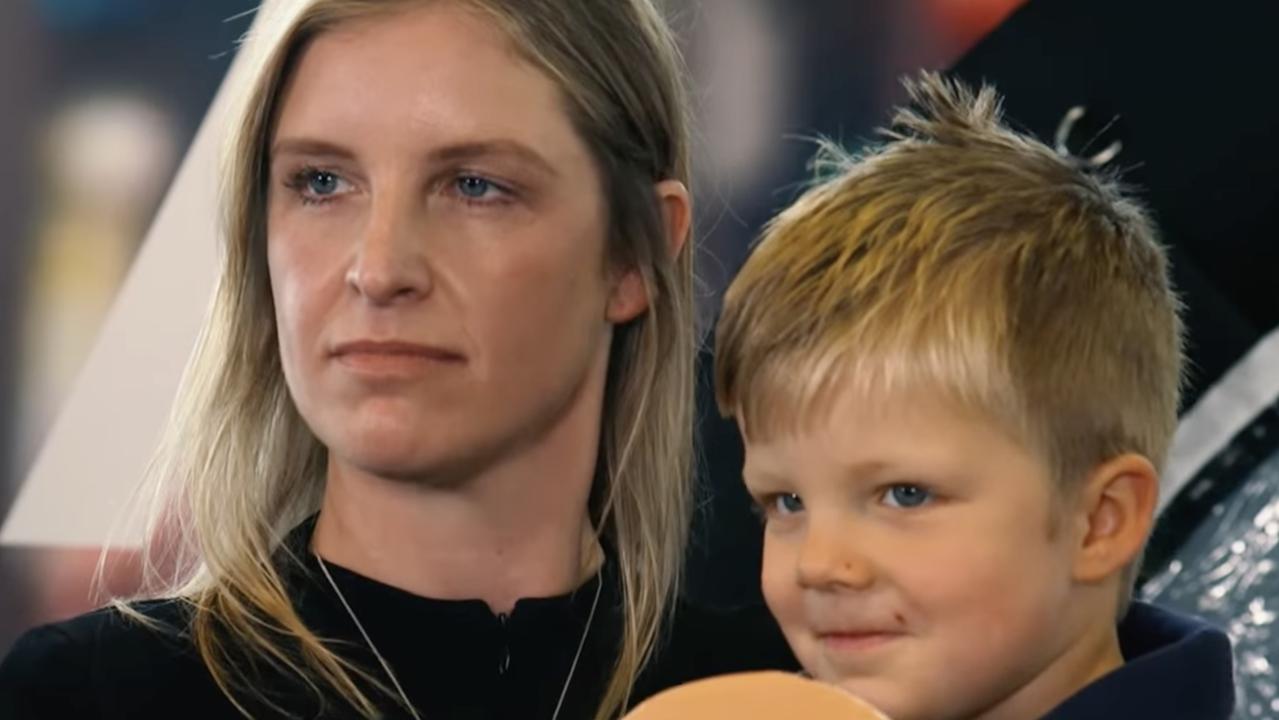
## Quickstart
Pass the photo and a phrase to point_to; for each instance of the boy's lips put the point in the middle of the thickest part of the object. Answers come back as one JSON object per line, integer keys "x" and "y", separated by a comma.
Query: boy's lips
{"x": 857, "y": 640}
{"x": 856, "y": 637}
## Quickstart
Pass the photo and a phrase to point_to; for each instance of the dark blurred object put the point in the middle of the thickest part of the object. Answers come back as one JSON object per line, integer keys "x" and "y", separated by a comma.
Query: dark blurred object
{"x": 726, "y": 545}
{"x": 102, "y": 15}
{"x": 1182, "y": 86}
{"x": 22, "y": 70}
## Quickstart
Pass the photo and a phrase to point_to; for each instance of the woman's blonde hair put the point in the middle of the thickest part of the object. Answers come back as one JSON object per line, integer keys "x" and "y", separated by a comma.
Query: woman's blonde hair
{"x": 238, "y": 467}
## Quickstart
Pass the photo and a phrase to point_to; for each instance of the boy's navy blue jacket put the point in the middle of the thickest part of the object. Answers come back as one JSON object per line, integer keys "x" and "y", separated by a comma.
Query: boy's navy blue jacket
{"x": 1175, "y": 668}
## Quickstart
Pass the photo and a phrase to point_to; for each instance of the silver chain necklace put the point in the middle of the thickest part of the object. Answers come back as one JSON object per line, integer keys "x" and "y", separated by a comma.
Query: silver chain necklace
{"x": 386, "y": 667}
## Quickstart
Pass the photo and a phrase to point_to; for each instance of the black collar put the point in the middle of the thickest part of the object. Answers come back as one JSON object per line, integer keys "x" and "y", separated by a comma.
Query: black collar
{"x": 1175, "y": 668}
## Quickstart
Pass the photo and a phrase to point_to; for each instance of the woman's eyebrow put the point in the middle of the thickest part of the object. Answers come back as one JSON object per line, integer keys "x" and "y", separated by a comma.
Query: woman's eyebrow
{"x": 472, "y": 150}
{"x": 310, "y": 146}
{"x": 453, "y": 153}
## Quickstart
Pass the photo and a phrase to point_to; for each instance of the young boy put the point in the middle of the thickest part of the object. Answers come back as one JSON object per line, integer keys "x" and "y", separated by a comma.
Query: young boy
{"x": 956, "y": 368}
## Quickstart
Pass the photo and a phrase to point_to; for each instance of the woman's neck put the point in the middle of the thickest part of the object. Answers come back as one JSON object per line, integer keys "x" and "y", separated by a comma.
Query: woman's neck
{"x": 490, "y": 541}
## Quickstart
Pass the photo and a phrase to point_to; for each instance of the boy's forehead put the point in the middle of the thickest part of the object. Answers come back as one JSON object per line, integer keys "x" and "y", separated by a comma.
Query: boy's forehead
{"x": 859, "y": 429}
{"x": 800, "y": 389}
{"x": 777, "y": 410}
{"x": 844, "y": 422}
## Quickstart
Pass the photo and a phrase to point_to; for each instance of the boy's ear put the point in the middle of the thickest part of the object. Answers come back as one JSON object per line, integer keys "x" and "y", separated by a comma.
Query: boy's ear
{"x": 1114, "y": 516}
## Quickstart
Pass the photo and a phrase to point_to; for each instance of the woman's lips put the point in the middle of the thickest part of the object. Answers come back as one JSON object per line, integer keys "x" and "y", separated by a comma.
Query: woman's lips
{"x": 392, "y": 358}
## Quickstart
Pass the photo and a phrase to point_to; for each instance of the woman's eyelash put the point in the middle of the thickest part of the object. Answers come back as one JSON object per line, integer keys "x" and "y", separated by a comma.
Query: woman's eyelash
{"x": 299, "y": 183}
{"x": 468, "y": 187}
{"x": 476, "y": 189}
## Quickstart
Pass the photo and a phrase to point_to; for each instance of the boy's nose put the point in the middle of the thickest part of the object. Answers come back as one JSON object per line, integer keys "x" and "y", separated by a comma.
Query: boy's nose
{"x": 829, "y": 560}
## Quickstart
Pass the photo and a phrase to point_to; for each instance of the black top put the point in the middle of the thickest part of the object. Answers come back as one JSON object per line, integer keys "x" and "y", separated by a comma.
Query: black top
{"x": 1175, "y": 668}
{"x": 455, "y": 659}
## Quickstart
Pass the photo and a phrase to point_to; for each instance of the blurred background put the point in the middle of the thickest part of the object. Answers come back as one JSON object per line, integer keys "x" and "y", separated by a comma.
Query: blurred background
{"x": 98, "y": 102}
{"x": 100, "y": 99}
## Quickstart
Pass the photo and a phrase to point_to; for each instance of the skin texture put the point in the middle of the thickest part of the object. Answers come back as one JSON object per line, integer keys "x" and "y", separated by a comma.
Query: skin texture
{"x": 754, "y": 696}
{"x": 436, "y": 246}
{"x": 920, "y": 558}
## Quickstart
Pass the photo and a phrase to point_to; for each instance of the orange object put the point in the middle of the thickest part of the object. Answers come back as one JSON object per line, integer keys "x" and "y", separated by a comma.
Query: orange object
{"x": 964, "y": 22}
{"x": 754, "y": 696}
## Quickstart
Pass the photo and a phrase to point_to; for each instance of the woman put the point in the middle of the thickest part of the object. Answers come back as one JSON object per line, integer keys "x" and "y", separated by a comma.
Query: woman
{"x": 432, "y": 455}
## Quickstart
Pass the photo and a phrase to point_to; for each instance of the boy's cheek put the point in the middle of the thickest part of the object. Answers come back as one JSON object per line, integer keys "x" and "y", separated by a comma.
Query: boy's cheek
{"x": 778, "y": 582}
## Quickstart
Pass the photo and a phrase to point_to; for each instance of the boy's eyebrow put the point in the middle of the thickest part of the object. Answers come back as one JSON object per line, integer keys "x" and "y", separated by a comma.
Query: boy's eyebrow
{"x": 760, "y": 480}
{"x": 854, "y": 469}
{"x": 866, "y": 467}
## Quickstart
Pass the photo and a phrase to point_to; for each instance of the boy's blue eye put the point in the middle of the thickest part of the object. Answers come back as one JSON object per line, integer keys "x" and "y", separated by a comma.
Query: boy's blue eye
{"x": 787, "y": 504}
{"x": 907, "y": 496}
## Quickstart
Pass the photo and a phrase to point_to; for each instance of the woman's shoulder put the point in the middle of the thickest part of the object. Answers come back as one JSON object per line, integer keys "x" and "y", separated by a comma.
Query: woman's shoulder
{"x": 153, "y": 625}
{"x": 80, "y": 667}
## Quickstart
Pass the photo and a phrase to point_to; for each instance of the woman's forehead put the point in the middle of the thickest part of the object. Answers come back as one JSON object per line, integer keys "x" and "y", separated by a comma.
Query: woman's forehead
{"x": 432, "y": 76}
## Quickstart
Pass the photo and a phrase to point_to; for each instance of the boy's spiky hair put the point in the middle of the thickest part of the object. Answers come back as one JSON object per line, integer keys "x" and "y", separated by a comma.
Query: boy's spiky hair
{"x": 963, "y": 258}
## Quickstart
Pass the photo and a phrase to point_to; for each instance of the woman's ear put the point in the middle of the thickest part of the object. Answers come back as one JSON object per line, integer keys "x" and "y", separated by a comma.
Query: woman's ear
{"x": 630, "y": 296}
{"x": 677, "y": 214}
{"x": 1116, "y": 513}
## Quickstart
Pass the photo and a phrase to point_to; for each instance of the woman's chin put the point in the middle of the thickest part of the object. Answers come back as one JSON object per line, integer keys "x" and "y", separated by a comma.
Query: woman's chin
{"x": 386, "y": 457}
{"x": 412, "y": 460}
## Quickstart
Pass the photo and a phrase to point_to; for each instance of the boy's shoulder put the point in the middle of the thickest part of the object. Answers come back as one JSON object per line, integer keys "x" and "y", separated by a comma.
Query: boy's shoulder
{"x": 1174, "y": 667}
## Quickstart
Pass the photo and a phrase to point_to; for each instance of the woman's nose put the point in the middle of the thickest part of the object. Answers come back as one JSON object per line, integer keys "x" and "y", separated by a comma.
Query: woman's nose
{"x": 390, "y": 263}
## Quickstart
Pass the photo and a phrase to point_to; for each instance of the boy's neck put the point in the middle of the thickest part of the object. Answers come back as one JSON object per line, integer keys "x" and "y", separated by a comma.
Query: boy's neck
{"x": 1084, "y": 660}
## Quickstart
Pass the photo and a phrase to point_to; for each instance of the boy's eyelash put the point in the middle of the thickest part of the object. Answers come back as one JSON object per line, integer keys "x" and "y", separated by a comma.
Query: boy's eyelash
{"x": 763, "y": 506}
{"x": 930, "y": 496}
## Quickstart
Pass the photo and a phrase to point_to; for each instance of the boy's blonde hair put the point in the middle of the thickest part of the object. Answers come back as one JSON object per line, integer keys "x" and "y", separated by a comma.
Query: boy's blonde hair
{"x": 966, "y": 259}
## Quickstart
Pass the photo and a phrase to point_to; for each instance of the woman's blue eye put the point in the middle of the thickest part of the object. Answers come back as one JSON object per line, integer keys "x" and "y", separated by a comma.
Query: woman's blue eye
{"x": 907, "y": 496}
{"x": 317, "y": 187}
{"x": 788, "y": 504}
{"x": 320, "y": 182}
